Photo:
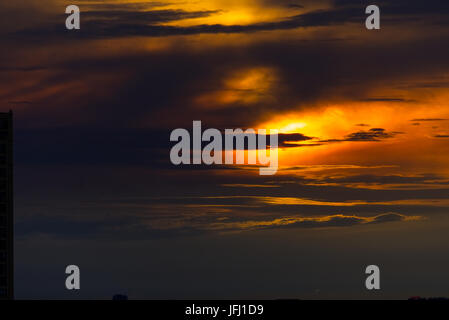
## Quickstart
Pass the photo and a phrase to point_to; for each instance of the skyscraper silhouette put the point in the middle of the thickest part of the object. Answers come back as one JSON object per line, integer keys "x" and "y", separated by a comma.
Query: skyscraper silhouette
{"x": 6, "y": 208}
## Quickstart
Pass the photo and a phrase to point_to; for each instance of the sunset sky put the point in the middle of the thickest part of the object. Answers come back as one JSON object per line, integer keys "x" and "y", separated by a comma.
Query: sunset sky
{"x": 364, "y": 147}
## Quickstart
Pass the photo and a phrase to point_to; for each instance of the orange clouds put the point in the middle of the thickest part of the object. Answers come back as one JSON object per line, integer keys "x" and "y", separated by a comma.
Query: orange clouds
{"x": 243, "y": 87}
{"x": 396, "y": 141}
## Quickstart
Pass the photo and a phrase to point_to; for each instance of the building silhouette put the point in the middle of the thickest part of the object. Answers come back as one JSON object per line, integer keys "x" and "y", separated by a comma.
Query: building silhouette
{"x": 6, "y": 208}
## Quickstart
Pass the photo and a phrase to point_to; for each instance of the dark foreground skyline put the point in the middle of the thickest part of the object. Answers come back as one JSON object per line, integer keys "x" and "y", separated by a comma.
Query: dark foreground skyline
{"x": 6, "y": 208}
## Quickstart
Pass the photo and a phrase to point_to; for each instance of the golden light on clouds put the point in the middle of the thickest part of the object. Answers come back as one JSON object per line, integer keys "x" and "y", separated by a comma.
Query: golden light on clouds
{"x": 325, "y": 221}
{"x": 245, "y": 87}
{"x": 230, "y": 12}
{"x": 333, "y": 132}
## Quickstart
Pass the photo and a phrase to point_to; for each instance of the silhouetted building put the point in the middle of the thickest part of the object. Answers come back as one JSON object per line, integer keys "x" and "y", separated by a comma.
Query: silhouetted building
{"x": 6, "y": 208}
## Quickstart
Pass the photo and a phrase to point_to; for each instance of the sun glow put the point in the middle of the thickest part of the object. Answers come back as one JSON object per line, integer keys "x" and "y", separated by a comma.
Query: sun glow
{"x": 229, "y": 12}
{"x": 329, "y": 131}
{"x": 293, "y": 127}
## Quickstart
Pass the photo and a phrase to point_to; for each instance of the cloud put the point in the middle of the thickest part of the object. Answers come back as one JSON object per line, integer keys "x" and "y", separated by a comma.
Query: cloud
{"x": 383, "y": 182}
{"x": 391, "y": 217}
{"x": 117, "y": 107}
{"x": 307, "y": 78}
{"x": 140, "y": 227}
{"x": 428, "y": 119}
{"x": 122, "y": 20}
{"x": 332, "y": 221}
{"x": 386, "y": 179}
{"x": 242, "y": 185}
{"x": 142, "y": 18}
{"x": 387, "y": 100}
{"x": 373, "y": 135}
{"x": 295, "y": 6}
{"x": 291, "y": 140}
{"x": 407, "y": 8}
{"x": 121, "y": 6}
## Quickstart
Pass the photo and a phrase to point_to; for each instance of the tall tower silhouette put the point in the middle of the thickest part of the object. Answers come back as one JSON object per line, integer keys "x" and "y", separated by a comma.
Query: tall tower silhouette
{"x": 6, "y": 208}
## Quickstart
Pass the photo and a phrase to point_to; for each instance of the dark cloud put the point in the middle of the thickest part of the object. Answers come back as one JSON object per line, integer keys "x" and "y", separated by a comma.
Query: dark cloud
{"x": 293, "y": 139}
{"x": 126, "y": 228}
{"x": 295, "y": 6}
{"x": 407, "y": 8}
{"x": 138, "y": 227}
{"x": 138, "y": 23}
{"x": 120, "y": 6}
{"x": 429, "y": 179}
{"x": 21, "y": 68}
{"x": 159, "y": 84}
{"x": 345, "y": 221}
{"x": 428, "y": 119}
{"x": 20, "y": 102}
{"x": 387, "y": 100}
{"x": 125, "y": 146}
{"x": 388, "y": 217}
{"x": 374, "y": 134}
{"x": 143, "y": 18}
{"x": 83, "y": 146}
{"x": 110, "y": 29}
{"x": 338, "y": 221}
{"x": 285, "y": 140}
